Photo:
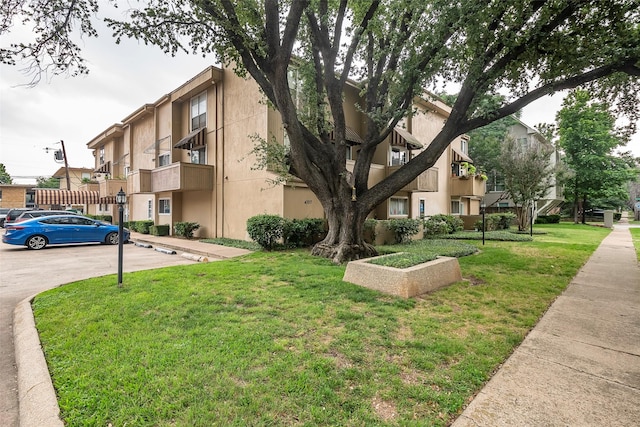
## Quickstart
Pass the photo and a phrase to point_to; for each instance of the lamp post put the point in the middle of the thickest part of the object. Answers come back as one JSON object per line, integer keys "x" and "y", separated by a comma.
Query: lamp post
{"x": 533, "y": 209}
{"x": 121, "y": 199}
{"x": 482, "y": 210}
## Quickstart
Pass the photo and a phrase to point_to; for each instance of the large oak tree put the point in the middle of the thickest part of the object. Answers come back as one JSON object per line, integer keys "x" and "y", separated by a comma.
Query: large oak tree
{"x": 392, "y": 48}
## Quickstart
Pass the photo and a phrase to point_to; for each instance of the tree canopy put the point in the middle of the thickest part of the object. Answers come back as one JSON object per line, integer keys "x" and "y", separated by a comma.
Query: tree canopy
{"x": 588, "y": 137}
{"x": 392, "y": 49}
{"x": 5, "y": 178}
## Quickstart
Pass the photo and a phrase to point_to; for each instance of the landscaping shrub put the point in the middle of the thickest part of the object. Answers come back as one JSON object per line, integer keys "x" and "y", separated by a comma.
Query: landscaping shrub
{"x": 435, "y": 227}
{"x": 266, "y": 230}
{"x": 404, "y": 228}
{"x": 159, "y": 230}
{"x": 185, "y": 228}
{"x": 454, "y": 223}
{"x": 143, "y": 226}
{"x": 303, "y": 232}
{"x": 369, "y": 230}
{"x": 496, "y": 221}
{"x": 548, "y": 219}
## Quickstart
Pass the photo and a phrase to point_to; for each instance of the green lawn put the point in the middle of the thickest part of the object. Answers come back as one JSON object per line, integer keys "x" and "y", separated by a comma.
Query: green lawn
{"x": 635, "y": 235}
{"x": 279, "y": 339}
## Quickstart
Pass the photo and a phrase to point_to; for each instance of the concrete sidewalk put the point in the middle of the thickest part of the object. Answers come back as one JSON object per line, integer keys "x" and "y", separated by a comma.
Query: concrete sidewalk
{"x": 195, "y": 247}
{"x": 580, "y": 365}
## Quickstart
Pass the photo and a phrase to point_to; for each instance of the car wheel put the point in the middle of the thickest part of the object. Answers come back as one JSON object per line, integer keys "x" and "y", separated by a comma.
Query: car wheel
{"x": 112, "y": 238}
{"x": 36, "y": 242}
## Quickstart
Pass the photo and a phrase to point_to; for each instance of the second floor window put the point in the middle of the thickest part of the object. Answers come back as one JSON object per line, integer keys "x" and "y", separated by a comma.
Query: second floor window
{"x": 398, "y": 157}
{"x": 164, "y": 159}
{"x": 199, "y": 111}
{"x": 464, "y": 146}
{"x": 199, "y": 156}
{"x": 101, "y": 155}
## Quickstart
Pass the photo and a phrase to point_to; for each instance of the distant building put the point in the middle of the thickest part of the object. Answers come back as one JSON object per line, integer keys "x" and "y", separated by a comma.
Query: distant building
{"x": 17, "y": 196}
{"x": 497, "y": 199}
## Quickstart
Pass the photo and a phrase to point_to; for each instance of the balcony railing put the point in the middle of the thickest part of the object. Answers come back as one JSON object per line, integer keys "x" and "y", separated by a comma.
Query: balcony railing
{"x": 139, "y": 181}
{"x": 467, "y": 186}
{"x": 426, "y": 181}
{"x": 182, "y": 177}
{"x": 110, "y": 187}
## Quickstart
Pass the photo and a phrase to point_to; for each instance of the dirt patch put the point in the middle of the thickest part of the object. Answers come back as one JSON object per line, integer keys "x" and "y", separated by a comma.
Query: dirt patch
{"x": 384, "y": 409}
{"x": 474, "y": 281}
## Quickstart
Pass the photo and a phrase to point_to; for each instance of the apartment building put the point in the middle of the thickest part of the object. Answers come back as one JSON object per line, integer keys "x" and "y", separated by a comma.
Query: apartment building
{"x": 187, "y": 157}
{"x": 497, "y": 199}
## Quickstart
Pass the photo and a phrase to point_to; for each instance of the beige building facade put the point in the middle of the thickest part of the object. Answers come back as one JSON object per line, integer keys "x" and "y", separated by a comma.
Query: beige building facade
{"x": 188, "y": 157}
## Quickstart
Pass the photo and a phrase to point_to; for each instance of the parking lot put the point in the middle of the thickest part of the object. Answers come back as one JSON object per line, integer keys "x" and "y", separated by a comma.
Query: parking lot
{"x": 24, "y": 273}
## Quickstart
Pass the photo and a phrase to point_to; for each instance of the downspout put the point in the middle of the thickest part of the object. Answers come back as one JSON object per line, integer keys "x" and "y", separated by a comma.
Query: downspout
{"x": 220, "y": 129}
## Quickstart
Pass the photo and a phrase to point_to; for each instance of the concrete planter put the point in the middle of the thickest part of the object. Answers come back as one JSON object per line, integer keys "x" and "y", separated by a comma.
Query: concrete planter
{"x": 406, "y": 282}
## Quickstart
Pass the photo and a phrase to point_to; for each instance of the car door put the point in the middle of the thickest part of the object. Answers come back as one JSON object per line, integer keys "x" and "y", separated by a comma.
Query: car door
{"x": 87, "y": 230}
{"x": 56, "y": 230}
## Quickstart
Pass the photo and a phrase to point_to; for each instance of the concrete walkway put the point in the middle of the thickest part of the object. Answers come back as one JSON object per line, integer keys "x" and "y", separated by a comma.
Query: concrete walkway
{"x": 580, "y": 365}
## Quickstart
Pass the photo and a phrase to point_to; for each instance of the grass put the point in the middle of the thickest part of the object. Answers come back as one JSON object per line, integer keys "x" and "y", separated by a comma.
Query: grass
{"x": 635, "y": 235}
{"x": 236, "y": 243}
{"x": 279, "y": 339}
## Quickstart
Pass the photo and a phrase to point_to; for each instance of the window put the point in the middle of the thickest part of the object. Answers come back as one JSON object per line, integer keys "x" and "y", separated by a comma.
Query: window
{"x": 199, "y": 111}
{"x": 150, "y": 209}
{"x": 523, "y": 142}
{"x": 349, "y": 152}
{"x": 101, "y": 155}
{"x": 464, "y": 146}
{"x": 164, "y": 206}
{"x": 0, "y": 194}
{"x": 398, "y": 206}
{"x": 86, "y": 175}
{"x": 421, "y": 209}
{"x": 164, "y": 159}
{"x": 457, "y": 208}
{"x": 398, "y": 157}
{"x": 199, "y": 155}
{"x": 127, "y": 171}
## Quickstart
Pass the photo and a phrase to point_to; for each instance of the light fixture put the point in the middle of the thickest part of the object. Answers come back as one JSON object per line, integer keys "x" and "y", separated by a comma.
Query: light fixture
{"x": 121, "y": 199}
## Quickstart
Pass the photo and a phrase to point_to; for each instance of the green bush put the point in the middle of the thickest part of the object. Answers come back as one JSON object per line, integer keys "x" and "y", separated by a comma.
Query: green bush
{"x": 185, "y": 228}
{"x": 369, "y": 230}
{"x": 303, "y": 232}
{"x": 159, "y": 230}
{"x": 496, "y": 221}
{"x": 143, "y": 226}
{"x": 266, "y": 230}
{"x": 454, "y": 223}
{"x": 435, "y": 227}
{"x": 548, "y": 219}
{"x": 404, "y": 228}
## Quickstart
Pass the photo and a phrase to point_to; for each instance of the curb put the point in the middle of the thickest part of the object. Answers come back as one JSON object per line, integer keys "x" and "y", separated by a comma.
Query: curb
{"x": 37, "y": 397}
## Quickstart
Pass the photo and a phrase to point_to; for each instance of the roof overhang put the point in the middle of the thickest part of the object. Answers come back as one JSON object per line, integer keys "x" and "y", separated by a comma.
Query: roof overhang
{"x": 402, "y": 138}
{"x": 196, "y": 138}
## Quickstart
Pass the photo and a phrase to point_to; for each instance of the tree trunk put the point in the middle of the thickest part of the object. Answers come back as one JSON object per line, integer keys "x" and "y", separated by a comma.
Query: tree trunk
{"x": 345, "y": 238}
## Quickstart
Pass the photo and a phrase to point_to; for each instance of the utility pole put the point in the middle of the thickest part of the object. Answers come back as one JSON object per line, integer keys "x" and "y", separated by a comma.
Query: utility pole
{"x": 66, "y": 165}
{"x": 56, "y": 156}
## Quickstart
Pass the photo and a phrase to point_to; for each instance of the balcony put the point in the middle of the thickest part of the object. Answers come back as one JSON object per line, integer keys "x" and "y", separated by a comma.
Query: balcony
{"x": 139, "y": 181}
{"x": 110, "y": 187}
{"x": 426, "y": 181}
{"x": 467, "y": 186}
{"x": 182, "y": 177}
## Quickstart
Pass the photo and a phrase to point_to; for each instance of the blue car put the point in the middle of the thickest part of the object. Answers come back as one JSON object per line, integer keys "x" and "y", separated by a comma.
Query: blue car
{"x": 39, "y": 232}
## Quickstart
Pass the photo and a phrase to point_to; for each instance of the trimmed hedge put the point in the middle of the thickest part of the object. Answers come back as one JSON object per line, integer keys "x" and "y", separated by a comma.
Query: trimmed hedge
{"x": 272, "y": 231}
{"x": 159, "y": 230}
{"x": 185, "y": 228}
{"x": 404, "y": 228}
{"x": 548, "y": 219}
